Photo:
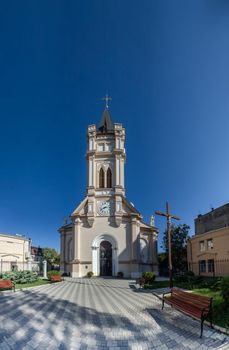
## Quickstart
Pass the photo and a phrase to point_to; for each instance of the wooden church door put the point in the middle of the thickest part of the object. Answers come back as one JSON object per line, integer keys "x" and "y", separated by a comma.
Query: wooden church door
{"x": 105, "y": 259}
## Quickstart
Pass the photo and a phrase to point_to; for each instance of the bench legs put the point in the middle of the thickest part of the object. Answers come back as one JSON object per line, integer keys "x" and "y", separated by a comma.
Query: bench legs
{"x": 211, "y": 320}
{"x": 163, "y": 303}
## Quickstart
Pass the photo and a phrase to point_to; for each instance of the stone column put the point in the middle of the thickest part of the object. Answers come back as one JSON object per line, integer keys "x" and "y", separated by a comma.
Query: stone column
{"x": 45, "y": 269}
{"x": 95, "y": 267}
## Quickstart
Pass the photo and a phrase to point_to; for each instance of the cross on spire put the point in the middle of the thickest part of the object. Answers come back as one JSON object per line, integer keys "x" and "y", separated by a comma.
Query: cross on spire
{"x": 107, "y": 99}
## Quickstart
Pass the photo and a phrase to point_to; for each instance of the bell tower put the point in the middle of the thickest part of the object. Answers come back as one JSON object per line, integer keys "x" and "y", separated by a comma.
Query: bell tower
{"x": 107, "y": 233}
{"x": 105, "y": 159}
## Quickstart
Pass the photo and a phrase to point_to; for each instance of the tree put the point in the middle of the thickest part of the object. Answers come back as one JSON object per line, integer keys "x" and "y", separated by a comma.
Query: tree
{"x": 163, "y": 264}
{"x": 179, "y": 237}
{"x": 51, "y": 255}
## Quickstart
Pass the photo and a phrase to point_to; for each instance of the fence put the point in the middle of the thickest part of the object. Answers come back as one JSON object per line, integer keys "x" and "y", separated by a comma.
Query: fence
{"x": 35, "y": 266}
{"x": 210, "y": 267}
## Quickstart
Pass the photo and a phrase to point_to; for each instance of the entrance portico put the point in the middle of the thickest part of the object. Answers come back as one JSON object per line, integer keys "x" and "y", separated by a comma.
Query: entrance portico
{"x": 104, "y": 253}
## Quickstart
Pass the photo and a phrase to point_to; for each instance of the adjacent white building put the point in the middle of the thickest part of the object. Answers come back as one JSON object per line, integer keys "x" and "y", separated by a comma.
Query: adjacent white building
{"x": 106, "y": 234}
{"x": 14, "y": 252}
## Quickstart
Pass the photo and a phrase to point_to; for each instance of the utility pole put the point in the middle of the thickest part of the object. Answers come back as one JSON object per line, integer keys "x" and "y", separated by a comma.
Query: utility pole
{"x": 169, "y": 217}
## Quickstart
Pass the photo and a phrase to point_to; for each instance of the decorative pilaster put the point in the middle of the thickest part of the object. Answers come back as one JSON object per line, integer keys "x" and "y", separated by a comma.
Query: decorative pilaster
{"x": 62, "y": 249}
{"x": 134, "y": 239}
{"x": 76, "y": 240}
{"x": 45, "y": 269}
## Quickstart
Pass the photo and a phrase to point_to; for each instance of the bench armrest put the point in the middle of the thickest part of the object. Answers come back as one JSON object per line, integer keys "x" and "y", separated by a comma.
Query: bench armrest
{"x": 166, "y": 293}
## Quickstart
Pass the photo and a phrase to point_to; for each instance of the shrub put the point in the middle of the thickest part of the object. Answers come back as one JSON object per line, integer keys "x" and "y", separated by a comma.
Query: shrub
{"x": 224, "y": 289}
{"x": 53, "y": 273}
{"x": 189, "y": 274}
{"x": 20, "y": 276}
{"x": 90, "y": 274}
{"x": 120, "y": 274}
{"x": 65, "y": 274}
{"x": 149, "y": 277}
{"x": 141, "y": 281}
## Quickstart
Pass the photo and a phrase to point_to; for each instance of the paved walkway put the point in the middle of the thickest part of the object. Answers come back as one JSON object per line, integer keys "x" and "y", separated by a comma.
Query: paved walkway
{"x": 97, "y": 314}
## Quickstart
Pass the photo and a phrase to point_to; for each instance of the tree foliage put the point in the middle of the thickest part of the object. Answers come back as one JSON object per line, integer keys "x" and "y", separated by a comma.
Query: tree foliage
{"x": 51, "y": 255}
{"x": 179, "y": 238}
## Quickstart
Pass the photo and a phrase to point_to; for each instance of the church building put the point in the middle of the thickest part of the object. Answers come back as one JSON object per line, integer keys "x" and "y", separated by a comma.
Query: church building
{"x": 106, "y": 234}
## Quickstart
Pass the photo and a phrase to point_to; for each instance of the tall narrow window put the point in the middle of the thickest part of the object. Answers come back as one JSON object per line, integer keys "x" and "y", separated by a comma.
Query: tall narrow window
{"x": 202, "y": 266}
{"x": 101, "y": 178}
{"x": 109, "y": 178}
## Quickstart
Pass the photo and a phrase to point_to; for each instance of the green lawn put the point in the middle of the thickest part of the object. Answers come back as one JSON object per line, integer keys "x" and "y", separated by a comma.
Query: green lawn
{"x": 32, "y": 284}
{"x": 220, "y": 314}
{"x": 39, "y": 282}
{"x": 157, "y": 284}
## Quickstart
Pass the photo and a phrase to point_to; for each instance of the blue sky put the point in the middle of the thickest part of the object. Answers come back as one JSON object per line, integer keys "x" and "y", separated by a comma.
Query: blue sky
{"x": 165, "y": 64}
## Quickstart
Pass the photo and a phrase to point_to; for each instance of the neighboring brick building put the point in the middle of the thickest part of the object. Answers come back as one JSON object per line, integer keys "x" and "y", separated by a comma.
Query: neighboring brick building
{"x": 208, "y": 250}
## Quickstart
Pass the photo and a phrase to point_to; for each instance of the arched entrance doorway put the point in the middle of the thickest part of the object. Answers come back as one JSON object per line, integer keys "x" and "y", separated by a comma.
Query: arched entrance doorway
{"x": 105, "y": 258}
{"x": 104, "y": 255}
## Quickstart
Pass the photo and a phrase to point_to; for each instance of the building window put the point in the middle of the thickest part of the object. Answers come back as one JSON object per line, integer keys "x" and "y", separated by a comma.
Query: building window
{"x": 210, "y": 244}
{"x": 202, "y": 266}
{"x": 14, "y": 266}
{"x": 109, "y": 178}
{"x": 101, "y": 147}
{"x": 101, "y": 178}
{"x": 211, "y": 265}
{"x": 143, "y": 250}
{"x": 70, "y": 255}
{"x": 108, "y": 147}
{"x": 202, "y": 246}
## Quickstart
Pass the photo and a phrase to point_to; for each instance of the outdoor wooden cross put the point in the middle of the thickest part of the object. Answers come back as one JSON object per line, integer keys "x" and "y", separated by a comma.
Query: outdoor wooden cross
{"x": 106, "y": 98}
{"x": 169, "y": 217}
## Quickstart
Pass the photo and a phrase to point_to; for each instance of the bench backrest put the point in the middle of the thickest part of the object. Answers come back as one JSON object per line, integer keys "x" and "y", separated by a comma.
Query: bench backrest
{"x": 6, "y": 283}
{"x": 197, "y": 300}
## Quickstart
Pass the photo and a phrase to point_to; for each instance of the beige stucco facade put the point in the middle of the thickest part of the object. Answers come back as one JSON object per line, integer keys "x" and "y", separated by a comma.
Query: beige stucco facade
{"x": 106, "y": 234}
{"x": 208, "y": 253}
{"x": 14, "y": 252}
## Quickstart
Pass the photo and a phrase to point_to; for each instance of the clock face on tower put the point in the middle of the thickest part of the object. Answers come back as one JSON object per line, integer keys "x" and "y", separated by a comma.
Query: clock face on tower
{"x": 104, "y": 208}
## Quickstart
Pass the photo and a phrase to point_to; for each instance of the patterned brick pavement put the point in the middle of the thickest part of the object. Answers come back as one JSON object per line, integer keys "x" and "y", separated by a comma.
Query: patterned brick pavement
{"x": 97, "y": 314}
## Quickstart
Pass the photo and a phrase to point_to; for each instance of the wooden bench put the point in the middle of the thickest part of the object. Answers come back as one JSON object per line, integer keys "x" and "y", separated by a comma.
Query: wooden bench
{"x": 56, "y": 278}
{"x": 197, "y": 306}
{"x": 7, "y": 284}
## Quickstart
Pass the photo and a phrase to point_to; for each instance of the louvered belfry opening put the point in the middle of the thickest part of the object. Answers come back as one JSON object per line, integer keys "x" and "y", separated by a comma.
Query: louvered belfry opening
{"x": 109, "y": 178}
{"x": 101, "y": 178}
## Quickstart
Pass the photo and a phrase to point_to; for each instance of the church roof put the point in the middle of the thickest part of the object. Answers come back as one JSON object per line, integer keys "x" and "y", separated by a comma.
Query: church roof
{"x": 106, "y": 124}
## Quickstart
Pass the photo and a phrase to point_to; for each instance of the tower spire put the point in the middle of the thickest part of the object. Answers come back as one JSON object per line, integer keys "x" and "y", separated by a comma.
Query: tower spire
{"x": 106, "y": 124}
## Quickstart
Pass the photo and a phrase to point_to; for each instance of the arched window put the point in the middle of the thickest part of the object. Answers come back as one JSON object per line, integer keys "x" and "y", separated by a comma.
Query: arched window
{"x": 109, "y": 178}
{"x": 101, "y": 178}
{"x": 143, "y": 250}
{"x": 70, "y": 255}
